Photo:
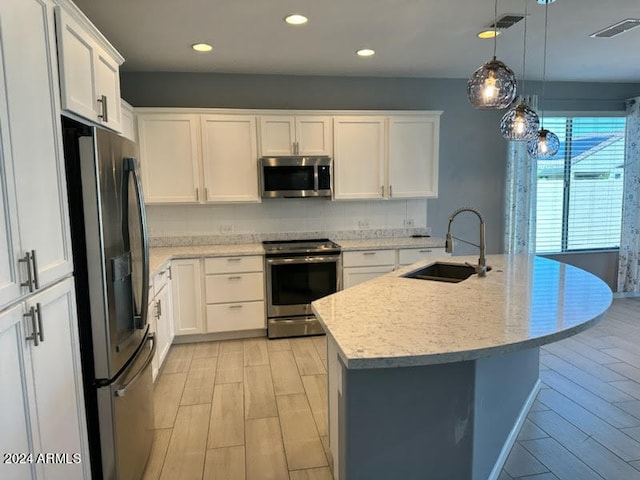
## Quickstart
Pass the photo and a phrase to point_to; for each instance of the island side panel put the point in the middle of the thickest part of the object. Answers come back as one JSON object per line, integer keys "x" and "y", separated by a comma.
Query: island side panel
{"x": 408, "y": 423}
{"x": 505, "y": 388}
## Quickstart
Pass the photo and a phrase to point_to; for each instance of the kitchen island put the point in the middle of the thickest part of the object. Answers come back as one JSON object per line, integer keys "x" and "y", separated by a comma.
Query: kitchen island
{"x": 432, "y": 379}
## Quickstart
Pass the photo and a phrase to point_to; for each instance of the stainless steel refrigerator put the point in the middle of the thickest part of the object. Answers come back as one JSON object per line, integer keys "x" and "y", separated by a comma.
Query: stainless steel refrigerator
{"x": 111, "y": 268}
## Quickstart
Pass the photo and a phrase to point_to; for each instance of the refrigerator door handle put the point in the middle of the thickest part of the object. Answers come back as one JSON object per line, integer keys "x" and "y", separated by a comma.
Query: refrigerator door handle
{"x": 121, "y": 392}
{"x": 130, "y": 166}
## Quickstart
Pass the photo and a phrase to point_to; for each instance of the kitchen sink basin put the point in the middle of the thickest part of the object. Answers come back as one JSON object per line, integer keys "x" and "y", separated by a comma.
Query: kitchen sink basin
{"x": 444, "y": 272}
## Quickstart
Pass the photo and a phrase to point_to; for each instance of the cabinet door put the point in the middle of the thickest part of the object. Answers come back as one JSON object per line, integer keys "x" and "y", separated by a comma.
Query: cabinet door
{"x": 128, "y": 125}
{"x": 355, "y": 275}
{"x": 413, "y": 156}
{"x": 163, "y": 319}
{"x": 57, "y": 378}
{"x": 360, "y": 156}
{"x": 169, "y": 157}
{"x": 77, "y": 72}
{"x": 314, "y": 135}
{"x": 152, "y": 314}
{"x": 14, "y": 396}
{"x": 36, "y": 150}
{"x": 186, "y": 287}
{"x": 230, "y": 159}
{"x": 108, "y": 91}
{"x": 277, "y": 135}
{"x": 407, "y": 256}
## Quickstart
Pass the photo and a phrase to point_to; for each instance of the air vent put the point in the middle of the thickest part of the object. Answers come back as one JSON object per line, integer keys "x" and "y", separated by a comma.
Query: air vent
{"x": 506, "y": 21}
{"x": 617, "y": 28}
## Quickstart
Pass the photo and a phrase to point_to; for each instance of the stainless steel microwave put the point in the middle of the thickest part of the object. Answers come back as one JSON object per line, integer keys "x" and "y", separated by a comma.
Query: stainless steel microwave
{"x": 296, "y": 177}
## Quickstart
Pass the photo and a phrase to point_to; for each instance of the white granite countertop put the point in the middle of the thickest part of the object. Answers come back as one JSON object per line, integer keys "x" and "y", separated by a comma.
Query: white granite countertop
{"x": 389, "y": 243}
{"x": 524, "y": 301}
{"x": 159, "y": 256}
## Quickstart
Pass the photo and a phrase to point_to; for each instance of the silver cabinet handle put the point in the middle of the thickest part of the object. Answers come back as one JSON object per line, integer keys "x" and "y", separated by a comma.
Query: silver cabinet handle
{"x": 426, "y": 251}
{"x": 159, "y": 309}
{"x": 29, "y": 283}
{"x": 235, "y": 306}
{"x": 382, "y": 191}
{"x": 105, "y": 114}
{"x": 235, "y": 277}
{"x": 234, "y": 259}
{"x": 39, "y": 314}
{"x": 206, "y": 194}
{"x": 34, "y": 328}
{"x": 390, "y": 191}
{"x": 197, "y": 194}
{"x": 36, "y": 281}
{"x": 369, "y": 253}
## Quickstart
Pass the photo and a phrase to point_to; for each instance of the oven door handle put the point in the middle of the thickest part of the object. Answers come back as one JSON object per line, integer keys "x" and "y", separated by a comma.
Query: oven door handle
{"x": 308, "y": 259}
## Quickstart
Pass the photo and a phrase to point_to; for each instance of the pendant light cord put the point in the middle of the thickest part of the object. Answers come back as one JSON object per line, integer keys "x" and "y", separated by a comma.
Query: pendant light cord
{"x": 524, "y": 48}
{"x": 544, "y": 62}
{"x": 495, "y": 29}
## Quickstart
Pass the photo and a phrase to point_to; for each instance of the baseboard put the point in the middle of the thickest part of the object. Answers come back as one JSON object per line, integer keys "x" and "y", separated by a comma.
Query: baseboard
{"x": 515, "y": 431}
{"x": 211, "y": 337}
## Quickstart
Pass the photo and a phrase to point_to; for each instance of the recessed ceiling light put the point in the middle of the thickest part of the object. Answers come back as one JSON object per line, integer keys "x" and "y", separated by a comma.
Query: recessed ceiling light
{"x": 202, "y": 47}
{"x": 365, "y": 52}
{"x": 488, "y": 33}
{"x": 296, "y": 19}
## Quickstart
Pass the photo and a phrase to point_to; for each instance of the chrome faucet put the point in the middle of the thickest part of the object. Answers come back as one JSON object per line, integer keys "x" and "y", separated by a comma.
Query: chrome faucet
{"x": 481, "y": 267}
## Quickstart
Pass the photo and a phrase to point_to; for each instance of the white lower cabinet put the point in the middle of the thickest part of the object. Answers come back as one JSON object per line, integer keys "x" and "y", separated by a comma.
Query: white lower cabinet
{"x": 360, "y": 266}
{"x": 41, "y": 387}
{"x": 407, "y": 256}
{"x": 186, "y": 292}
{"x": 161, "y": 317}
{"x": 235, "y": 294}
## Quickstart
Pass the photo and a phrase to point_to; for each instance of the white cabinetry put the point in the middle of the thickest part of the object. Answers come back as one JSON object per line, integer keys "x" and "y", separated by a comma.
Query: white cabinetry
{"x": 296, "y": 135}
{"x": 386, "y": 157}
{"x": 35, "y": 244}
{"x": 128, "y": 123}
{"x": 161, "y": 317}
{"x": 360, "y": 266}
{"x": 360, "y": 157}
{"x": 413, "y": 156}
{"x": 41, "y": 385}
{"x": 186, "y": 286}
{"x": 234, "y": 293}
{"x": 192, "y": 158}
{"x": 169, "y": 157}
{"x": 229, "y": 158}
{"x": 407, "y": 256}
{"x": 89, "y": 69}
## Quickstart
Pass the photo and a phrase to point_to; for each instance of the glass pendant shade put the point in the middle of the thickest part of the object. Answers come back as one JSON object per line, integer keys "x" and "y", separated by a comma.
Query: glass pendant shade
{"x": 520, "y": 123}
{"x": 544, "y": 145}
{"x": 492, "y": 86}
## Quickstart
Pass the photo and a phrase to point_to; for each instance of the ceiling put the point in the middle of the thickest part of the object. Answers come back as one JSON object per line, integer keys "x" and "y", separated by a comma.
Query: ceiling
{"x": 412, "y": 38}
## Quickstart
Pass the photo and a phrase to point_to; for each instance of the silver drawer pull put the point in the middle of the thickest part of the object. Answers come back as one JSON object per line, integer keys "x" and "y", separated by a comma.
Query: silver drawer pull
{"x": 39, "y": 315}
{"x": 369, "y": 253}
{"x": 29, "y": 283}
{"x": 34, "y": 328}
{"x": 426, "y": 251}
{"x": 235, "y": 307}
{"x": 235, "y": 277}
{"x": 234, "y": 259}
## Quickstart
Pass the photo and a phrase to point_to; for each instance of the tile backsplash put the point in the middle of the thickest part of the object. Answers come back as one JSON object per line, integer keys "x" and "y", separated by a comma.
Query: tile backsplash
{"x": 285, "y": 215}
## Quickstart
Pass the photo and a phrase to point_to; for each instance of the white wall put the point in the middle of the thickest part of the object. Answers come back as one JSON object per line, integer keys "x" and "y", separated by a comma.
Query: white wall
{"x": 284, "y": 215}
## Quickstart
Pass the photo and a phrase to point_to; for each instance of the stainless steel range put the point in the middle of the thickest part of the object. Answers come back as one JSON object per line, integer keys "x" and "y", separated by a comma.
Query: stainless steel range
{"x": 299, "y": 272}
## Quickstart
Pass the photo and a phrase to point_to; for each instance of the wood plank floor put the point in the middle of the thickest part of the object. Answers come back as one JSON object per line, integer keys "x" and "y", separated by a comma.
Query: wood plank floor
{"x": 256, "y": 409}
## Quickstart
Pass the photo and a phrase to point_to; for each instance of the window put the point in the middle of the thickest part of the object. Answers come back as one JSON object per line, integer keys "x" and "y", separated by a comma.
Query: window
{"x": 579, "y": 191}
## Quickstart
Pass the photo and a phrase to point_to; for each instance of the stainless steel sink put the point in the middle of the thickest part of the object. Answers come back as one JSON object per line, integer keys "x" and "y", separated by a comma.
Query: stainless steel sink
{"x": 444, "y": 272}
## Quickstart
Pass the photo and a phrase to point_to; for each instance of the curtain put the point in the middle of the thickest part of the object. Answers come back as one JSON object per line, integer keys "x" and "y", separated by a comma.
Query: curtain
{"x": 629, "y": 258}
{"x": 520, "y": 196}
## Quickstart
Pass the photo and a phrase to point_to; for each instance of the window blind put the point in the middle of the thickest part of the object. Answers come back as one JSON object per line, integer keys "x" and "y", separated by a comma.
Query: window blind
{"x": 579, "y": 190}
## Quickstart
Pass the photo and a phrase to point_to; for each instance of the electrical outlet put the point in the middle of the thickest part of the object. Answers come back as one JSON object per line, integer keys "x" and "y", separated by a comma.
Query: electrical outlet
{"x": 226, "y": 228}
{"x": 362, "y": 224}
{"x": 409, "y": 223}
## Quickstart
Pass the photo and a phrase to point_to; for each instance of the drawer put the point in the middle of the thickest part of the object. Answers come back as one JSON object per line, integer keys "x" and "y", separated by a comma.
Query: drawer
{"x": 239, "y": 264}
{"x": 228, "y": 317}
{"x": 407, "y": 256}
{"x": 234, "y": 287}
{"x": 369, "y": 258}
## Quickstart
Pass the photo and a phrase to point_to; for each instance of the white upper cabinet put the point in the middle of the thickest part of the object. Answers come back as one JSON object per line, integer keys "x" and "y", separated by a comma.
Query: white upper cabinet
{"x": 295, "y": 135}
{"x": 360, "y": 157}
{"x": 394, "y": 156}
{"x": 229, "y": 158}
{"x": 169, "y": 157}
{"x": 89, "y": 69}
{"x": 128, "y": 121}
{"x": 413, "y": 156}
{"x": 35, "y": 246}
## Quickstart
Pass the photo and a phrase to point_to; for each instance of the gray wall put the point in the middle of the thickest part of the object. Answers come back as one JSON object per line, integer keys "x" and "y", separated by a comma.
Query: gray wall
{"x": 472, "y": 152}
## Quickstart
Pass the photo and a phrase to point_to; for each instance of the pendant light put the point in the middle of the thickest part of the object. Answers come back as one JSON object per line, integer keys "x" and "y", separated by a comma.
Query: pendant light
{"x": 546, "y": 143}
{"x": 493, "y": 85}
{"x": 520, "y": 122}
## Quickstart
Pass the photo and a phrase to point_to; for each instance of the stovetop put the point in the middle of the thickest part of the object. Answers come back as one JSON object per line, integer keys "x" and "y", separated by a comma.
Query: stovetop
{"x": 316, "y": 245}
